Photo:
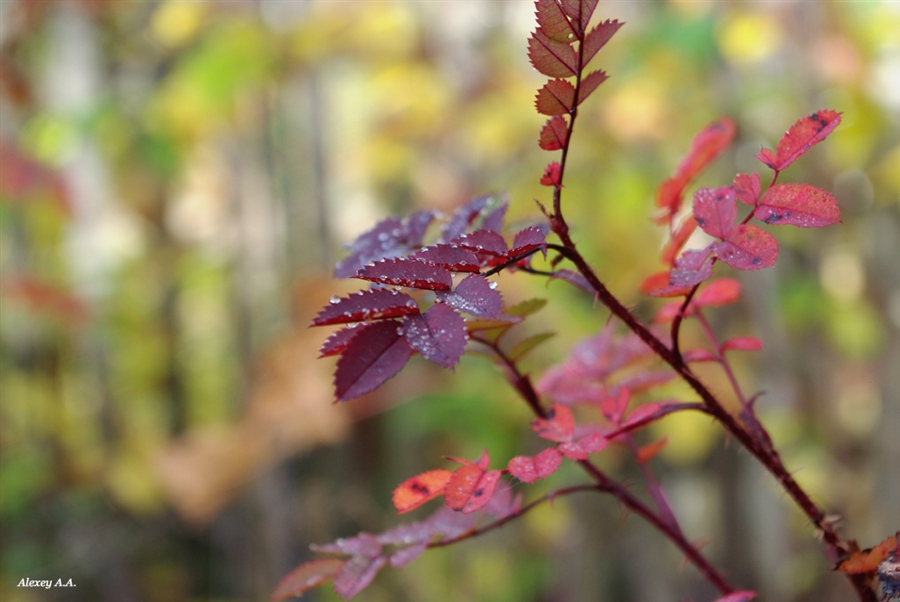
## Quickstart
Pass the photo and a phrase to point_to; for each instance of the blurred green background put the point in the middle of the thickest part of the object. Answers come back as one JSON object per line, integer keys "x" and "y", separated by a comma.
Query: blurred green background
{"x": 177, "y": 178}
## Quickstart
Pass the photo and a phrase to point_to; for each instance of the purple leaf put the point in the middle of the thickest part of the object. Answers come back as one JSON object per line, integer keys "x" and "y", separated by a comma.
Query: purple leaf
{"x": 384, "y": 240}
{"x": 307, "y": 576}
{"x": 338, "y": 341}
{"x": 375, "y": 354}
{"x": 798, "y": 205}
{"x": 450, "y": 257}
{"x": 747, "y": 248}
{"x": 527, "y": 239}
{"x": 364, "y": 544}
{"x": 373, "y": 304}
{"x": 494, "y": 219}
{"x": 482, "y": 241}
{"x": 462, "y": 217}
{"x": 715, "y": 210}
{"x": 407, "y": 272}
{"x": 404, "y": 556}
{"x": 475, "y": 295}
{"x": 691, "y": 268}
{"x": 574, "y": 278}
{"x": 415, "y": 226}
{"x": 439, "y": 334}
{"x": 356, "y": 575}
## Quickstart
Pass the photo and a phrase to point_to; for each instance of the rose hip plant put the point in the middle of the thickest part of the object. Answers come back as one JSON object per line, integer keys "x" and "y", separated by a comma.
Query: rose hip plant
{"x": 431, "y": 294}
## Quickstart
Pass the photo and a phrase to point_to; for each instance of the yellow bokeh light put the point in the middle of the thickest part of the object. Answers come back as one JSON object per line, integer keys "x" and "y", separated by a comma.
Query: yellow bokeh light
{"x": 749, "y": 37}
{"x": 177, "y": 21}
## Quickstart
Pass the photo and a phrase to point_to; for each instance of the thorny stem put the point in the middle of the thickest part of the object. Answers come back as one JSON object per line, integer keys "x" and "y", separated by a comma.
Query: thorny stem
{"x": 669, "y": 528}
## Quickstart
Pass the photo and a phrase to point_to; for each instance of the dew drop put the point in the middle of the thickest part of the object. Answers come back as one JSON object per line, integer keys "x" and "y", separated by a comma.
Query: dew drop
{"x": 492, "y": 285}
{"x": 334, "y": 300}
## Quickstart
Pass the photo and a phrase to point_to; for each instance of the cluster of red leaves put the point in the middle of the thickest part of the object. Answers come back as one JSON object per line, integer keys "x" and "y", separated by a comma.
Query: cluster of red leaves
{"x": 385, "y": 325}
{"x": 561, "y": 48}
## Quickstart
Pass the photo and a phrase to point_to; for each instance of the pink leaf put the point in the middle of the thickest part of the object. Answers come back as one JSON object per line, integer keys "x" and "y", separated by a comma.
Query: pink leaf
{"x": 699, "y": 355}
{"x": 613, "y": 407}
{"x": 715, "y": 210}
{"x": 482, "y": 241}
{"x": 541, "y": 466}
{"x": 742, "y": 344}
{"x": 747, "y": 248}
{"x": 802, "y": 136}
{"x": 553, "y": 22}
{"x": 356, "y": 574}
{"x": 556, "y": 97}
{"x": 449, "y": 257}
{"x": 403, "y": 271}
{"x": 374, "y": 304}
{"x": 741, "y": 596}
{"x": 439, "y": 334}
{"x": 556, "y": 59}
{"x": 590, "y": 83}
{"x": 475, "y": 295}
{"x": 551, "y": 175}
{"x": 554, "y": 134}
{"x": 746, "y": 188}
{"x": 375, "y": 354}
{"x": 582, "y": 448}
{"x": 642, "y": 413}
{"x": 338, "y": 341}
{"x": 364, "y": 544}
{"x": 558, "y": 426}
{"x": 798, "y": 205}
{"x": 718, "y": 292}
{"x": 598, "y": 37}
{"x": 307, "y": 576}
{"x": 691, "y": 268}
{"x": 404, "y": 556}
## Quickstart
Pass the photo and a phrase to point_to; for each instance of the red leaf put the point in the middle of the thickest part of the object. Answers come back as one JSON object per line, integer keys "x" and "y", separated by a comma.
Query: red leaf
{"x": 338, "y": 341}
{"x": 449, "y": 257}
{"x": 590, "y": 83}
{"x": 682, "y": 234}
{"x": 582, "y": 448}
{"x": 645, "y": 453}
{"x": 470, "y": 487}
{"x": 415, "y": 491}
{"x": 719, "y": 292}
{"x": 654, "y": 282}
{"x": 482, "y": 241}
{"x": 802, "y": 136}
{"x": 556, "y": 59}
{"x": 699, "y": 355}
{"x": 375, "y": 354}
{"x": 746, "y": 188}
{"x": 554, "y": 134}
{"x": 552, "y": 21}
{"x": 641, "y": 413}
{"x": 551, "y": 174}
{"x": 356, "y": 574}
{"x": 741, "y": 596}
{"x": 439, "y": 334}
{"x": 747, "y": 248}
{"x": 715, "y": 210}
{"x": 541, "y": 466}
{"x": 798, "y": 205}
{"x": 597, "y": 39}
{"x": 527, "y": 239}
{"x": 558, "y": 426}
{"x": 403, "y": 271}
{"x": 367, "y": 305}
{"x": 867, "y": 561}
{"x": 475, "y": 295}
{"x": 613, "y": 407}
{"x": 742, "y": 344}
{"x": 307, "y": 576}
{"x": 579, "y": 11}
{"x": 556, "y": 97}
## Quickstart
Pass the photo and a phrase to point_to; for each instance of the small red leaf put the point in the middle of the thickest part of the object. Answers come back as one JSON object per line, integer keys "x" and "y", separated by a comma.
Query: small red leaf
{"x": 556, "y": 59}
{"x": 554, "y": 134}
{"x": 541, "y": 466}
{"x": 470, "y": 487}
{"x": 307, "y": 576}
{"x": 715, "y": 210}
{"x": 415, "y": 491}
{"x": 527, "y": 239}
{"x": 556, "y": 97}
{"x": 551, "y": 174}
{"x": 374, "y": 304}
{"x": 579, "y": 11}
{"x": 590, "y": 83}
{"x": 407, "y": 272}
{"x": 747, "y": 248}
{"x": 450, "y": 257}
{"x": 867, "y": 561}
{"x": 679, "y": 238}
{"x": 558, "y": 426}
{"x": 475, "y": 295}
{"x": 553, "y": 22}
{"x": 338, "y": 341}
{"x": 742, "y": 344}
{"x": 582, "y": 448}
{"x": 597, "y": 39}
{"x": 374, "y": 355}
{"x": 645, "y": 453}
{"x": 741, "y": 596}
{"x": 718, "y": 292}
{"x": 798, "y": 205}
{"x": 746, "y": 188}
{"x": 439, "y": 335}
{"x": 482, "y": 241}
{"x": 802, "y": 136}
{"x": 613, "y": 407}
{"x": 699, "y": 355}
